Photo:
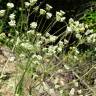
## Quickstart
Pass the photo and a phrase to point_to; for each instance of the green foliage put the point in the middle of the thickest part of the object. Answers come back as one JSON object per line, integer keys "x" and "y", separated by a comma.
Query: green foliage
{"x": 90, "y": 19}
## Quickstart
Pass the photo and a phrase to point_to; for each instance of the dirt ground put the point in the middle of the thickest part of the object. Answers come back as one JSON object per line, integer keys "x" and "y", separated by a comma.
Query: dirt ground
{"x": 7, "y": 72}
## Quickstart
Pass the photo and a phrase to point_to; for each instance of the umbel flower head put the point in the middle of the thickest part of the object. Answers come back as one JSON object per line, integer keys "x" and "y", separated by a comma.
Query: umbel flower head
{"x": 48, "y": 15}
{"x": 48, "y": 7}
{"x": 33, "y": 2}
{"x": 60, "y": 16}
{"x": 33, "y": 25}
{"x": 2, "y": 13}
{"x": 10, "y": 5}
{"x": 27, "y": 4}
{"x": 42, "y": 12}
{"x": 12, "y": 23}
{"x": 12, "y": 16}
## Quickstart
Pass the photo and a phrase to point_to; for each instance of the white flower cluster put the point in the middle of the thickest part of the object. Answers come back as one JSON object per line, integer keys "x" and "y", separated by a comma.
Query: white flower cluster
{"x": 40, "y": 43}
{"x": 31, "y": 32}
{"x": 33, "y": 25}
{"x": 33, "y": 2}
{"x": 27, "y": 4}
{"x": 46, "y": 11}
{"x": 91, "y": 38}
{"x": 27, "y": 46}
{"x": 12, "y": 21}
{"x": 42, "y": 12}
{"x": 51, "y": 50}
{"x": 60, "y": 16}
{"x": 48, "y": 7}
{"x": 89, "y": 32}
{"x": 75, "y": 50}
{"x": 48, "y": 15}
{"x": 10, "y": 5}
{"x": 37, "y": 57}
{"x": 60, "y": 46}
{"x": 12, "y": 16}
{"x": 75, "y": 26}
{"x": 50, "y": 38}
{"x": 30, "y": 3}
{"x": 2, "y": 13}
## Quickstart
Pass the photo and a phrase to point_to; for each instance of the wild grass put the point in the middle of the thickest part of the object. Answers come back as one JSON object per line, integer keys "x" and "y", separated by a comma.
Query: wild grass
{"x": 48, "y": 70}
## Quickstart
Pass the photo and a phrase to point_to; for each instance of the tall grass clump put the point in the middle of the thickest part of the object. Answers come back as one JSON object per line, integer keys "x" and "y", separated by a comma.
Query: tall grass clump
{"x": 46, "y": 69}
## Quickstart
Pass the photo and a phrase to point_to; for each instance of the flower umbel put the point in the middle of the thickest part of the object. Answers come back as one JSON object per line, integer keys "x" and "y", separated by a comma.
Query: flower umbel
{"x": 12, "y": 16}
{"x": 32, "y": 2}
{"x": 27, "y": 4}
{"x": 12, "y": 23}
{"x": 2, "y": 13}
{"x": 48, "y": 15}
{"x": 10, "y": 5}
{"x": 33, "y": 25}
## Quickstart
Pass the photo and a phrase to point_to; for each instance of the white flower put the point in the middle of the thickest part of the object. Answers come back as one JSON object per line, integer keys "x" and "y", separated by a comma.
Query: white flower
{"x": 31, "y": 32}
{"x": 44, "y": 49}
{"x": 51, "y": 91}
{"x": 86, "y": 26}
{"x": 52, "y": 38}
{"x": 37, "y": 57}
{"x": 48, "y": 7}
{"x": 62, "y": 19}
{"x": 27, "y": 4}
{"x": 27, "y": 46}
{"x": 75, "y": 57}
{"x": 69, "y": 29}
{"x": 10, "y": 5}
{"x": 60, "y": 16}
{"x": 22, "y": 55}
{"x": 91, "y": 38}
{"x": 2, "y": 13}
{"x": 12, "y": 16}
{"x": 72, "y": 92}
{"x": 20, "y": 9}
{"x": 48, "y": 15}
{"x": 65, "y": 41}
{"x": 66, "y": 67}
{"x": 18, "y": 41}
{"x": 32, "y": 2}
{"x": 75, "y": 83}
{"x": 42, "y": 12}
{"x": 39, "y": 34}
{"x": 82, "y": 29}
{"x": 81, "y": 95}
{"x": 76, "y": 23}
{"x": 33, "y": 25}
{"x": 78, "y": 36}
{"x": 60, "y": 43}
{"x": 88, "y": 32}
{"x": 12, "y": 23}
{"x": 36, "y": 8}
{"x": 59, "y": 49}
{"x": 11, "y": 59}
{"x": 62, "y": 12}
{"x": 36, "y": 62}
{"x": 51, "y": 50}
{"x": 79, "y": 91}
{"x": 47, "y": 34}
{"x": 71, "y": 20}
